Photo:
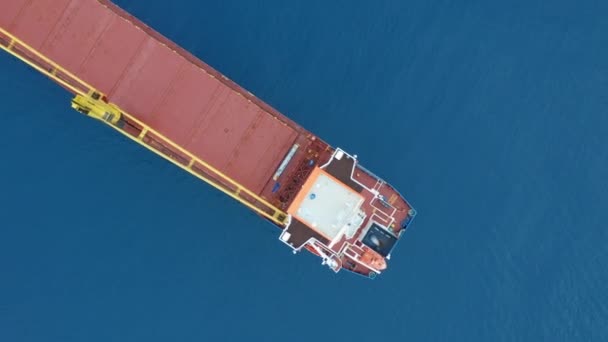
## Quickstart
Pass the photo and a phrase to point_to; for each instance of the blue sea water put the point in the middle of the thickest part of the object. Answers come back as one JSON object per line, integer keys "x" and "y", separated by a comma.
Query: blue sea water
{"x": 491, "y": 117}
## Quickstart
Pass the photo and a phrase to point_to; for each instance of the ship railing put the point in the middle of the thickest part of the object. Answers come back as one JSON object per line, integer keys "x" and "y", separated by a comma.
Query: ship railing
{"x": 43, "y": 64}
{"x": 378, "y": 180}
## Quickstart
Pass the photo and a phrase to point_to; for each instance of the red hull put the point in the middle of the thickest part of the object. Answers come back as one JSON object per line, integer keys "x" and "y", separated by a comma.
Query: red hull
{"x": 191, "y": 104}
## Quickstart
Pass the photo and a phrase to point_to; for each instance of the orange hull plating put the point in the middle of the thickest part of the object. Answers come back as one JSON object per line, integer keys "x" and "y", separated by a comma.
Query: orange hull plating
{"x": 197, "y": 108}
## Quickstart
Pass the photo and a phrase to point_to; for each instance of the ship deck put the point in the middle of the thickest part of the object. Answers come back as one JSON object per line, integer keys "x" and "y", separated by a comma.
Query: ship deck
{"x": 386, "y": 211}
{"x": 172, "y": 91}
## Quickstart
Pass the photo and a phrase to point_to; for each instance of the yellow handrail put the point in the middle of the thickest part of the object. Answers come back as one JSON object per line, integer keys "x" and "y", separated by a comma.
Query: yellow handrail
{"x": 18, "y": 42}
{"x": 277, "y": 216}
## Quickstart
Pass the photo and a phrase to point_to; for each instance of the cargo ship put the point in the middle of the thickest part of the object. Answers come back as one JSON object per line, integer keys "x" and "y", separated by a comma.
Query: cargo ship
{"x": 131, "y": 78}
